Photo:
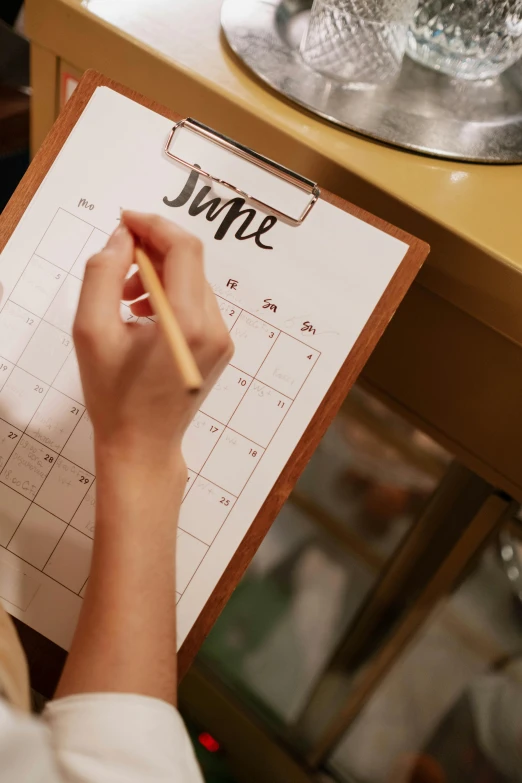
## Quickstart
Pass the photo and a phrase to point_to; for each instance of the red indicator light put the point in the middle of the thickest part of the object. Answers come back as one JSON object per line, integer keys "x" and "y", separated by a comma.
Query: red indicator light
{"x": 208, "y": 742}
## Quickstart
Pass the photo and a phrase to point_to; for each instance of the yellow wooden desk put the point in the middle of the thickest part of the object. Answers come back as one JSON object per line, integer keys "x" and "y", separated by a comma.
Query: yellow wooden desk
{"x": 451, "y": 361}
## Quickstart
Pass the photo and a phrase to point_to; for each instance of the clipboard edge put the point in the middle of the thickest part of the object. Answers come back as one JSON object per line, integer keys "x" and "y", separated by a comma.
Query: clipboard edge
{"x": 331, "y": 403}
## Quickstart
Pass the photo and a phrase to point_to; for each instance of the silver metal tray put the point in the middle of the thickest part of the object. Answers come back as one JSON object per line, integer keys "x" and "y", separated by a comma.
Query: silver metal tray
{"x": 423, "y": 111}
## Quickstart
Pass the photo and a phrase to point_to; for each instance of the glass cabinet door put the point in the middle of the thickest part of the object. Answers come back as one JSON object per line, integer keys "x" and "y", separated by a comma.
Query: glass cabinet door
{"x": 360, "y": 494}
{"x": 450, "y": 709}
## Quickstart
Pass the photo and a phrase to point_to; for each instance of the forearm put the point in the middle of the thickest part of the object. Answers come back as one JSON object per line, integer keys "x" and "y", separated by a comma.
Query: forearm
{"x": 126, "y": 636}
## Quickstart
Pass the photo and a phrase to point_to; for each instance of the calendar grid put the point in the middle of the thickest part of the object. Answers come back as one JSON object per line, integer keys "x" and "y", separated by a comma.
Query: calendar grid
{"x": 43, "y": 318}
{"x": 68, "y": 272}
{"x": 52, "y": 578}
{"x": 226, "y": 442}
{"x": 48, "y": 448}
{"x": 264, "y": 384}
{"x": 34, "y": 503}
{"x": 225, "y": 428}
{"x": 265, "y": 449}
{"x": 39, "y": 242}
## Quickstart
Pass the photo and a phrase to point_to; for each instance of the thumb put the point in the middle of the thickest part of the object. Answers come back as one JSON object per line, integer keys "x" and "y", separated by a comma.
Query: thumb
{"x": 100, "y": 297}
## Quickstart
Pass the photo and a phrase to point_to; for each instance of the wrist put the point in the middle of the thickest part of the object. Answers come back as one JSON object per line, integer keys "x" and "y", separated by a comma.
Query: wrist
{"x": 138, "y": 486}
{"x": 136, "y": 447}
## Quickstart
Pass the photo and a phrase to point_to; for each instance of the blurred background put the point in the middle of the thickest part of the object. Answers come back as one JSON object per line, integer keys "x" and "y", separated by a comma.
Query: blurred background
{"x": 14, "y": 99}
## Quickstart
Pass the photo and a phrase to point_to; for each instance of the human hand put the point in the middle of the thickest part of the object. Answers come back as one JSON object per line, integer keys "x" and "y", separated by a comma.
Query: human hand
{"x": 138, "y": 406}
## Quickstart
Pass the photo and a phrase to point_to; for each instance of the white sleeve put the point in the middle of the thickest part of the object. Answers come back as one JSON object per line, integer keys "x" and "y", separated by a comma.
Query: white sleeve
{"x": 25, "y": 748}
{"x": 120, "y": 738}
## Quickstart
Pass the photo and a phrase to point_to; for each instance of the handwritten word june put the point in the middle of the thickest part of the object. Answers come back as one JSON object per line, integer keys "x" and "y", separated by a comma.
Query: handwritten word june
{"x": 230, "y": 212}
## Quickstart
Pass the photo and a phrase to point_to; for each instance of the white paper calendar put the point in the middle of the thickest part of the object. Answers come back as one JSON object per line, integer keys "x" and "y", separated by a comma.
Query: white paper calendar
{"x": 295, "y": 299}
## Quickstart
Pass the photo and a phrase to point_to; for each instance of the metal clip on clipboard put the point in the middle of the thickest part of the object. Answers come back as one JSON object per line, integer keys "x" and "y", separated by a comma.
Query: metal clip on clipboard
{"x": 249, "y": 155}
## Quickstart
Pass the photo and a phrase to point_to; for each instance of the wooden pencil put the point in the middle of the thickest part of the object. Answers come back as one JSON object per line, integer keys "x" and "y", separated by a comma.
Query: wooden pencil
{"x": 180, "y": 350}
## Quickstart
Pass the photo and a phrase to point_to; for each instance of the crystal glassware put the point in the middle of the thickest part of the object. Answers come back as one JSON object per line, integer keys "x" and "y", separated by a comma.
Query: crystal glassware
{"x": 358, "y": 41}
{"x": 470, "y": 39}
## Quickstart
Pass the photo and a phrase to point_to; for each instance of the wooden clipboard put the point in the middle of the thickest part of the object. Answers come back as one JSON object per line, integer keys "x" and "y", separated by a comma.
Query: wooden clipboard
{"x": 330, "y": 405}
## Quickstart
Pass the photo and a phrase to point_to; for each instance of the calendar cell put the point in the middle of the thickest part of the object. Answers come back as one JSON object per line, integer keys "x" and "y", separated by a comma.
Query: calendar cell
{"x": 38, "y": 285}
{"x": 226, "y": 394}
{"x": 6, "y": 369}
{"x": 229, "y": 312}
{"x": 190, "y": 480}
{"x": 80, "y": 446}
{"x": 54, "y": 420}
{"x": 17, "y": 326}
{"x": 9, "y": 439}
{"x": 46, "y": 352}
{"x": 27, "y": 467}
{"x": 12, "y": 509}
{"x": 205, "y": 509}
{"x": 260, "y": 413}
{"x": 64, "y": 240}
{"x": 20, "y": 397}
{"x": 189, "y": 554}
{"x": 18, "y": 584}
{"x": 232, "y": 462}
{"x": 64, "y": 489}
{"x": 288, "y": 365}
{"x": 37, "y": 536}
{"x": 62, "y": 311}
{"x": 253, "y": 338}
{"x": 95, "y": 243}
{"x": 85, "y": 518}
{"x": 200, "y": 438}
{"x": 68, "y": 380}
{"x": 70, "y": 562}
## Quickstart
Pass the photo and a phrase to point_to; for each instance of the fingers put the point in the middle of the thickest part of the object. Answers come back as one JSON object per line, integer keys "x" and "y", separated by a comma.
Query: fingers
{"x": 216, "y": 348}
{"x": 133, "y": 288}
{"x": 181, "y": 270}
{"x": 213, "y": 345}
{"x": 99, "y": 306}
{"x": 178, "y": 259}
{"x": 142, "y": 308}
{"x": 158, "y": 232}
